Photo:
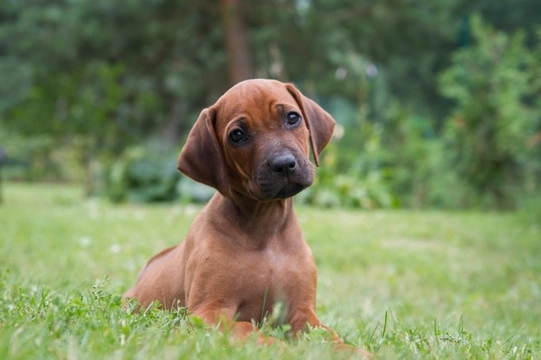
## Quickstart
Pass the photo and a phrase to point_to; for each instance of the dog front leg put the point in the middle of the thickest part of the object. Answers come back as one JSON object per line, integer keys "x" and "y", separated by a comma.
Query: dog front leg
{"x": 304, "y": 320}
{"x": 239, "y": 329}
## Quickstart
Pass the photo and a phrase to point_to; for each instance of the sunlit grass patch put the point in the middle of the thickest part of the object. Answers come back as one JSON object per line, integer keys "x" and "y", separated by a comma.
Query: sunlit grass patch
{"x": 406, "y": 284}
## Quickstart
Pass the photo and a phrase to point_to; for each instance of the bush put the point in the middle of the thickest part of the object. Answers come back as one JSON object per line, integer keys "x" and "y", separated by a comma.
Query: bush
{"x": 149, "y": 174}
{"x": 140, "y": 175}
{"x": 415, "y": 165}
{"x": 359, "y": 187}
{"x": 38, "y": 158}
{"x": 488, "y": 132}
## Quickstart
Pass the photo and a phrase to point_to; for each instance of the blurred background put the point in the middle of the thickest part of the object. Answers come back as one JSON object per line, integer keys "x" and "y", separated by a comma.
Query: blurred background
{"x": 438, "y": 101}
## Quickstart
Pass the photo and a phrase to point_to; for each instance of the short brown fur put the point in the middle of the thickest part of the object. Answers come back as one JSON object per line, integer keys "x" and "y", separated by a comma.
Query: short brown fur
{"x": 245, "y": 251}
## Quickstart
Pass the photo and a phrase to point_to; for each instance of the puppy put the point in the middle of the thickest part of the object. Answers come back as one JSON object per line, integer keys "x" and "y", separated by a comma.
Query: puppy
{"x": 245, "y": 252}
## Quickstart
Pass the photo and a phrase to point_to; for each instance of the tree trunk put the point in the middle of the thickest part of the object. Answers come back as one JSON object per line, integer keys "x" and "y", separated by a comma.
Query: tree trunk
{"x": 236, "y": 41}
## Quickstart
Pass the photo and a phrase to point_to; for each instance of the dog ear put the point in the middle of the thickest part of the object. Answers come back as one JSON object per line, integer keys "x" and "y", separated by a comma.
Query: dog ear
{"x": 201, "y": 157}
{"x": 319, "y": 122}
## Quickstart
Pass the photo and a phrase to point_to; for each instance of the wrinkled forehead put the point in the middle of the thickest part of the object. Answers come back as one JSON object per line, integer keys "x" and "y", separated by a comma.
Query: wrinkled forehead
{"x": 253, "y": 98}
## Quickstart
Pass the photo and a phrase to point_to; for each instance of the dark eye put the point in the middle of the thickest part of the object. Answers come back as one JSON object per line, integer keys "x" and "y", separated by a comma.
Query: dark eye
{"x": 293, "y": 118}
{"x": 237, "y": 136}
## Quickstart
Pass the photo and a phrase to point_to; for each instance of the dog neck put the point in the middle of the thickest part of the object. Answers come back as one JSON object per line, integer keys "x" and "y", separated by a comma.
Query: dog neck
{"x": 259, "y": 219}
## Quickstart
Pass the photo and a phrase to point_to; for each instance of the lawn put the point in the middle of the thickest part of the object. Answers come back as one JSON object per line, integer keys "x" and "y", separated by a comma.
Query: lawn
{"x": 403, "y": 284}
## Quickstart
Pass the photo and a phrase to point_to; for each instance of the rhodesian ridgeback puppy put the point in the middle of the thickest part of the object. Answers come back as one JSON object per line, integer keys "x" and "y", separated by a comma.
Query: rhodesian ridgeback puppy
{"x": 245, "y": 252}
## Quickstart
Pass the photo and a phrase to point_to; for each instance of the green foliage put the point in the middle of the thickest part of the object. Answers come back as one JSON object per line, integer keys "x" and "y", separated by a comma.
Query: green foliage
{"x": 412, "y": 156}
{"x": 120, "y": 71}
{"x": 106, "y": 74}
{"x": 509, "y": 16}
{"x": 141, "y": 175}
{"x": 148, "y": 173}
{"x": 85, "y": 81}
{"x": 488, "y": 132}
{"x": 39, "y": 157}
{"x": 359, "y": 187}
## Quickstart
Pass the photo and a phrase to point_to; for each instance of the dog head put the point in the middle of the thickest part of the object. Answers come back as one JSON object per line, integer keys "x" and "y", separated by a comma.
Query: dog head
{"x": 256, "y": 140}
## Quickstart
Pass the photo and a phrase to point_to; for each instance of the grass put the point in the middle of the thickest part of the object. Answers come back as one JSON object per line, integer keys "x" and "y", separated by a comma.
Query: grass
{"x": 403, "y": 284}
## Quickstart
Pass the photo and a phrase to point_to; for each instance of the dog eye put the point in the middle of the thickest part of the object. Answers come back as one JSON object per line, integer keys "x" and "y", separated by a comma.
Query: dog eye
{"x": 237, "y": 136}
{"x": 293, "y": 118}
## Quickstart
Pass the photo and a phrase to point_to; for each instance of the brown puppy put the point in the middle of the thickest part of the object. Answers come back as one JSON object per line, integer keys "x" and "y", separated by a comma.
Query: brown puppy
{"x": 245, "y": 252}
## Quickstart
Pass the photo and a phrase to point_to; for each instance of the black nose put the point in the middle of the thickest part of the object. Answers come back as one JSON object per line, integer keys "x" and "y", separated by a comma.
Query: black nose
{"x": 283, "y": 164}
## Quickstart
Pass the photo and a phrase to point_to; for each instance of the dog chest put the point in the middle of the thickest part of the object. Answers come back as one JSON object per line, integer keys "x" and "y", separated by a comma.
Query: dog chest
{"x": 274, "y": 277}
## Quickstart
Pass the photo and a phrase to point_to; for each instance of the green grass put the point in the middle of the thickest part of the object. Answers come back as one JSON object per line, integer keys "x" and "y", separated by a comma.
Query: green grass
{"x": 403, "y": 284}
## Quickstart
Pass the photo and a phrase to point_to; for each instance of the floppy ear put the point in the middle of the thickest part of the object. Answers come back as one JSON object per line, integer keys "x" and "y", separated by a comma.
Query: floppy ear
{"x": 319, "y": 122}
{"x": 201, "y": 157}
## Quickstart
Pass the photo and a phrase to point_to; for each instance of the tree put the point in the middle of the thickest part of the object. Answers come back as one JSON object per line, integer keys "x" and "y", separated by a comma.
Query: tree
{"x": 236, "y": 41}
{"x": 106, "y": 75}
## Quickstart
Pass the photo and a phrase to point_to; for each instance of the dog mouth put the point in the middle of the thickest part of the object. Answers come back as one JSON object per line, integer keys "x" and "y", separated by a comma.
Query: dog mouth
{"x": 272, "y": 191}
{"x": 289, "y": 190}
